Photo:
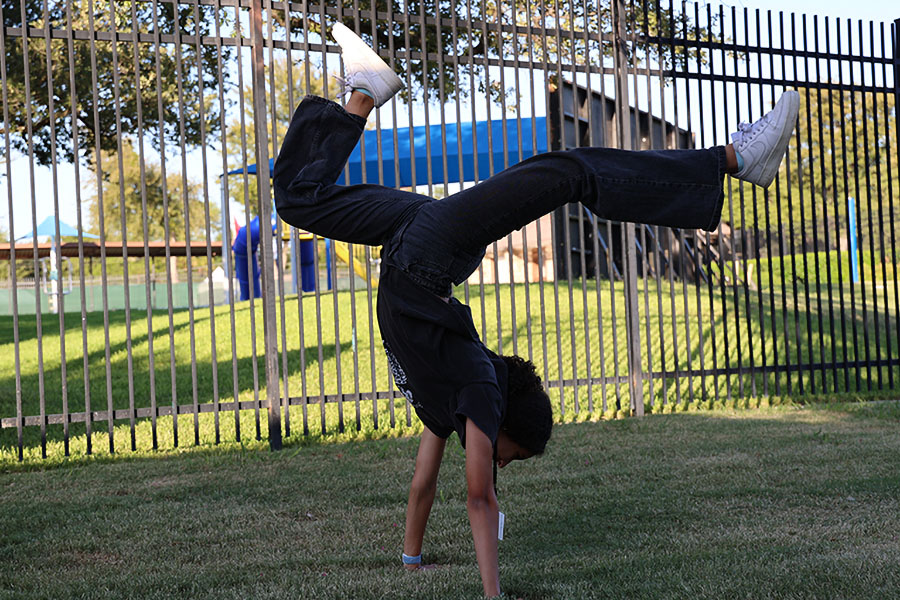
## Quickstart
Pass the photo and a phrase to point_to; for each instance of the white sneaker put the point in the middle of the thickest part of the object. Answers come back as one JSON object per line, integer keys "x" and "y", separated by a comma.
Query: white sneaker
{"x": 363, "y": 67}
{"x": 762, "y": 145}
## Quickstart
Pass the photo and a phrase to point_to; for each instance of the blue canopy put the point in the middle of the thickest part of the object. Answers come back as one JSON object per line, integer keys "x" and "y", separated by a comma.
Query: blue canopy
{"x": 488, "y": 135}
{"x": 47, "y": 228}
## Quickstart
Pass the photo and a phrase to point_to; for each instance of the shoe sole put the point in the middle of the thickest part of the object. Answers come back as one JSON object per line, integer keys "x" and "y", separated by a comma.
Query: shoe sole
{"x": 347, "y": 39}
{"x": 788, "y": 103}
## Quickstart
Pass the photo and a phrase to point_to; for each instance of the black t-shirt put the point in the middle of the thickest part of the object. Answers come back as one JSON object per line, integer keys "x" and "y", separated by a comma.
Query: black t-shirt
{"x": 437, "y": 359}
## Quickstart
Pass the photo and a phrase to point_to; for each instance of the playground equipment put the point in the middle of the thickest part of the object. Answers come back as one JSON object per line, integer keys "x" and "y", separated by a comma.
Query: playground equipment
{"x": 398, "y": 157}
{"x": 357, "y": 260}
{"x": 246, "y": 258}
{"x": 851, "y": 236}
{"x": 309, "y": 273}
{"x": 50, "y": 280}
{"x": 245, "y": 246}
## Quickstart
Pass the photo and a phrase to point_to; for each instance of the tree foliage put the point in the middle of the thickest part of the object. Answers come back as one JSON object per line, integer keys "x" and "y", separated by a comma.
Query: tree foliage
{"x": 284, "y": 90}
{"x": 844, "y": 146}
{"x": 122, "y": 88}
{"x": 551, "y": 33}
{"x": 162, "y": 199}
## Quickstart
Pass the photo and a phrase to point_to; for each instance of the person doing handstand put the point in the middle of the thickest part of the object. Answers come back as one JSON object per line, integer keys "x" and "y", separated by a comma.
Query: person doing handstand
{"x": 496, "y": 404}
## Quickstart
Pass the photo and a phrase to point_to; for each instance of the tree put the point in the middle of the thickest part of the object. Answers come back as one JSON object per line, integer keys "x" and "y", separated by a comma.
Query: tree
{"x": 523, "y": 22}
{"x": 127, "y": 190}
{"x": 290, "y": 86}
{"x": 840, "y": 149}
{"x": 43, "y": 99}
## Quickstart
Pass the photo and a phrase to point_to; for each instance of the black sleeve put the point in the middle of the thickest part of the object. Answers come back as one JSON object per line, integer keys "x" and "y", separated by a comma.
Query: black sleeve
{"x": 480, "y": 402}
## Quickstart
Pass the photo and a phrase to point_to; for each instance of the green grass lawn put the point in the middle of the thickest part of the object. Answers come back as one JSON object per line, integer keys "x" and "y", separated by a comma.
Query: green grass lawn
{"x": 822, "y": 267}
{"x": 578, "y": 332}
{"x": 776, "y": 503}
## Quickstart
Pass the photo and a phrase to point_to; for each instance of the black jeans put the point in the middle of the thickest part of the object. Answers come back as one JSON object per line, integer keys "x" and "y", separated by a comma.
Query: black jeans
{"x": 439, "y": 243}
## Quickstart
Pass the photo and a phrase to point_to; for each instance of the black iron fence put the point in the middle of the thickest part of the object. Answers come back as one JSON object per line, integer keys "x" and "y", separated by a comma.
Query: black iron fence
{"x": 145, "y": 129}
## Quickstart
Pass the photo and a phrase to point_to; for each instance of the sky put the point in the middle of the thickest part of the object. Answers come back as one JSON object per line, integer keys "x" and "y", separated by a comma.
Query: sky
{"x": 868, "y": 10}
{"x": 874, "y": 10}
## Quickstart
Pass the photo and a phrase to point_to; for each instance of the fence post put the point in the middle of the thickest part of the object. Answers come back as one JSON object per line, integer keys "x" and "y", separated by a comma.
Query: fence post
{"x": 897, "y": 73}
{"x": 623, "y": 125}
{"x": 270, "y": 335}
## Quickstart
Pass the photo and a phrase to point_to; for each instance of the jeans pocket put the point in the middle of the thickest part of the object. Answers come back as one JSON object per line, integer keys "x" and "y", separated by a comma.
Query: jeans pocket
{"x": 431, "y": 269}
{"x": 463, "y": 265}
{"x": 425, "y": 263}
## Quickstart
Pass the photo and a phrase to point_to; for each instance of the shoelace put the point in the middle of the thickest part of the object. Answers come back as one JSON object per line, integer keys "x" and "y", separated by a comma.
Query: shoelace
{"x": 346, "y": 84}
{"x": 747, "y": 130}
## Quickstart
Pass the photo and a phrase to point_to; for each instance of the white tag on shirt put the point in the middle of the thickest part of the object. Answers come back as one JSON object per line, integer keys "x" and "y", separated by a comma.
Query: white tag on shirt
{"x": 500, "y": 521}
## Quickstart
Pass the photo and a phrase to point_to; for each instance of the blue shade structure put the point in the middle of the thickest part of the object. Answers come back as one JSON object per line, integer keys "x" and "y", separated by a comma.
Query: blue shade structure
{"x": 47, "y": 228}
{"x": 445, "y": 143}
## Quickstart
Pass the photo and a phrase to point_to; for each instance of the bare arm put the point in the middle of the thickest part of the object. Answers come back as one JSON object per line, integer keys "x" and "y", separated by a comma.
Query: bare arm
{"x": 482, "y": 505}
{"x": 421, "y": 491}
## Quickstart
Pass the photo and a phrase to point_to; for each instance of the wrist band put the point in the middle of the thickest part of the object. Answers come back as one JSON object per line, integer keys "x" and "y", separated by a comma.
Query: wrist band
{"x": 411, "y": 560}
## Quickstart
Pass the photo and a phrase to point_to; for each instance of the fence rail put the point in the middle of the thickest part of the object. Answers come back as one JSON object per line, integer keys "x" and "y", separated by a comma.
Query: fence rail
{"x": 138, "y": 121}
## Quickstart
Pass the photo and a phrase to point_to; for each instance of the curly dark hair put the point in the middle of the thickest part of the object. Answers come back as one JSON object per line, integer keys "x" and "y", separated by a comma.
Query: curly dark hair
{"x": 529, "y": 419}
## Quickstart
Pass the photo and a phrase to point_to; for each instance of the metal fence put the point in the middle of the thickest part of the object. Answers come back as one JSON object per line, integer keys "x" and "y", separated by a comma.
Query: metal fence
{"x": 138, "y": 121}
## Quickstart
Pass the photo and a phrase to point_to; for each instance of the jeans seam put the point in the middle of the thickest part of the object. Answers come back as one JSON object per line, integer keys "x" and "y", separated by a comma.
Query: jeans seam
{"x": 646, "y": 183}
{"x": 721, "y": 158}
{"x": 330, "y": 104}
{"x": 559, "y": 185}
{"x": 586, "y": 176}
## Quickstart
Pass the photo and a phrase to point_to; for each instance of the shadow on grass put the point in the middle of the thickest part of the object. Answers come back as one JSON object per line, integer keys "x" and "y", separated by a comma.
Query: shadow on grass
{"x": 887, "y": 411}
{"x": 859, "y": 378}
{"x": 184, "y": 374}
{"x": 785, "y": 334}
